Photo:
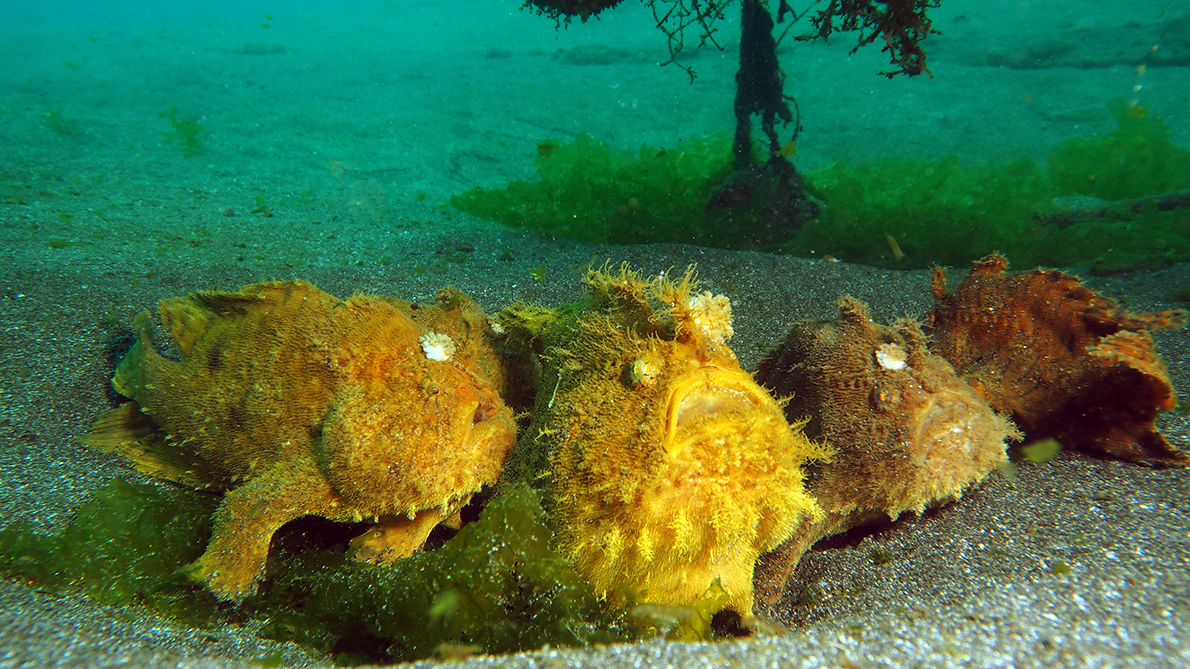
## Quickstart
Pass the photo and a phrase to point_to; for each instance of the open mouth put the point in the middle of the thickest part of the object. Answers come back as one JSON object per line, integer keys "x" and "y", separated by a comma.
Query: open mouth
{"x": 707, "y": 391}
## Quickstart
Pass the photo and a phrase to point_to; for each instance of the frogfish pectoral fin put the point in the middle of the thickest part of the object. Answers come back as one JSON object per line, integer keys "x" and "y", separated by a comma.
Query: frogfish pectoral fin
{"x": 396, "y": 537}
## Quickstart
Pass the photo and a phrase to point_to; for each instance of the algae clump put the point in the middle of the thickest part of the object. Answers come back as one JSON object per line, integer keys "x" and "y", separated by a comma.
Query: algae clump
{"x": 942, "y": 212}
{"x": 905, "y": 213}
{"x": 123, "y": 546}
{"x": 187, "y": 132}
{"x": 1109, "y": 245}
{"x": 1136, "y": 160}
{"x": 59, "y": 124}
{"x": 936, "y": 211}
{"x": 497, "y": 585}
{"x": 591, "y": 193}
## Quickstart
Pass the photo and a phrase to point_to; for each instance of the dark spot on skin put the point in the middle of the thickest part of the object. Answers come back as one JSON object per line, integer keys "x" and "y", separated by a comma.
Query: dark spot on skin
{"x": 215, "y": 359}
{"x": 236, "y": 417}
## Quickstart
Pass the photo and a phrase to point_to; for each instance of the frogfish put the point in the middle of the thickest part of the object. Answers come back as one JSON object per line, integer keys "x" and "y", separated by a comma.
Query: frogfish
{"x": 667, "y": 469}
{"x": 908, "y": 434}
{"x": 1066, "y": 362}
{"x": 298, "y": 403}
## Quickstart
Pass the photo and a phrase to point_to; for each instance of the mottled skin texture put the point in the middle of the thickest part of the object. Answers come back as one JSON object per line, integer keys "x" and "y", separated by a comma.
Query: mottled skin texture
{"x": 907, "y": 433}
{"x": 667, "y": 465}
{"x": 1065, "y": 362}
{"x": 299, "y": 403}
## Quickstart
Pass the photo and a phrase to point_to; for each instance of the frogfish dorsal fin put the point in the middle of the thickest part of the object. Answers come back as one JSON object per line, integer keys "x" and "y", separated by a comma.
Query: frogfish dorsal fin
{"x": 189, "y": 318}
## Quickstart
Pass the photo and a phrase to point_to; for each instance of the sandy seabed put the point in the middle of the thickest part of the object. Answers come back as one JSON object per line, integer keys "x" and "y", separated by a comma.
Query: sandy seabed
{"x": 335, "y": 137}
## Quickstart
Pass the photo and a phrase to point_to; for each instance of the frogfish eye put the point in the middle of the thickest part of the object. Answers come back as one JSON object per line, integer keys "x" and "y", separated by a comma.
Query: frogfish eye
{"x": 636, "y": 370}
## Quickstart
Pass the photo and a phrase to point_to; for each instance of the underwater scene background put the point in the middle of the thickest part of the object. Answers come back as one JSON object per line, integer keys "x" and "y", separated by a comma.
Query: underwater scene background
{"x": 401, "y": 147}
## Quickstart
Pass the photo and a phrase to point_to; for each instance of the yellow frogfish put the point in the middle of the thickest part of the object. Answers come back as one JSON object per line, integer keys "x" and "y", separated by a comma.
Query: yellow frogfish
{"x": 298, "y": 403}
{"x": 668, "y": 469}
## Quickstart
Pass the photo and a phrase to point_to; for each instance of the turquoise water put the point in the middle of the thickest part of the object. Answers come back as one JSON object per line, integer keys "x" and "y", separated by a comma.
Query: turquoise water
{"x": 147, "y": 152}
{"x": 381, "y": 109}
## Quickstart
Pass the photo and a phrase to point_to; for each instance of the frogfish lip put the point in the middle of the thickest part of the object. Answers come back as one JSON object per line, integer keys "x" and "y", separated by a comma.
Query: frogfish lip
{"x": 471, "y": 424}
{"x": 704, "y": 391}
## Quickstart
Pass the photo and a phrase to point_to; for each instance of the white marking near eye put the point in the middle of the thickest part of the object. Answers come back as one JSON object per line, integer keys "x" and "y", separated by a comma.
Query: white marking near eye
{"x": 891, "y": 356}
{"x": 436, "y": 346}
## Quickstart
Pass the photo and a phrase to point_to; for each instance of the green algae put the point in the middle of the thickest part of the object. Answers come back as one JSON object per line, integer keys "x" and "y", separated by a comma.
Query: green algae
{"x": 906, "y": 213}
{"x": 187, "y": 132}
{"x": 60, "y": 125}
{"x": 589, "y": 192}
{"x": 1041, "y": 451}
{"x": 123, "y": 546}
{"x": 1059, "y": 568}
{"x": 496, "y": 585}
{"x": 943, "y": 212}
{"x": 1112, "y": 245}
{"x": 1136, "y": 160}
{"x": 682, "y": 623}
{"x": 937, "y": 211}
